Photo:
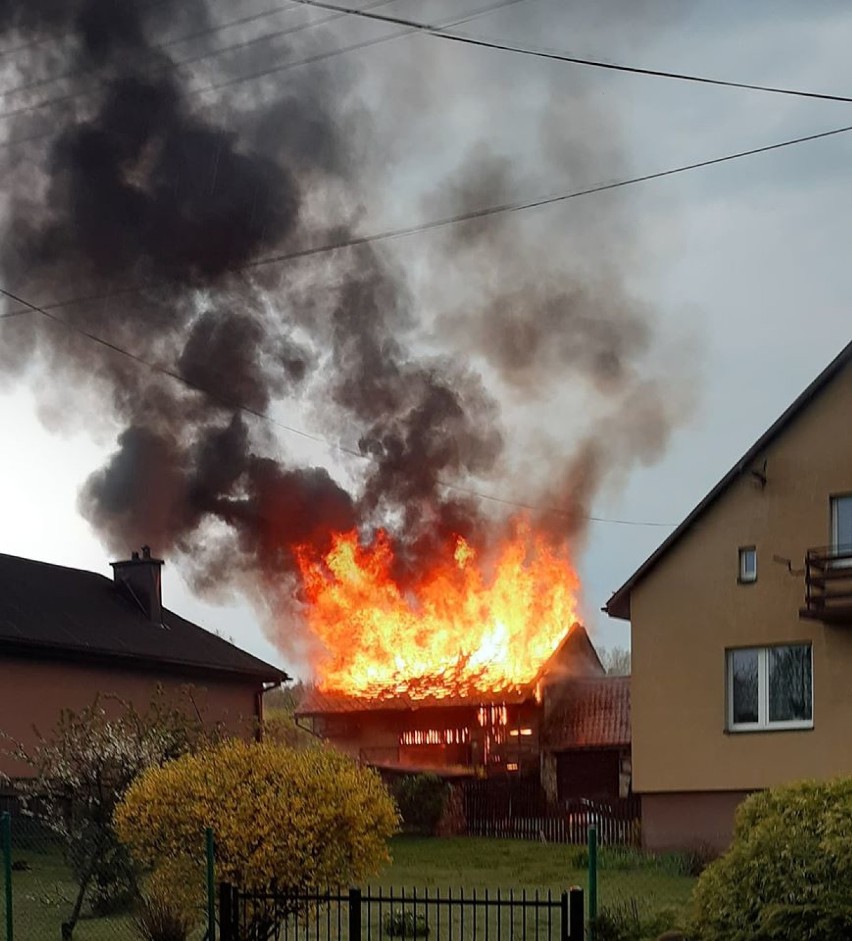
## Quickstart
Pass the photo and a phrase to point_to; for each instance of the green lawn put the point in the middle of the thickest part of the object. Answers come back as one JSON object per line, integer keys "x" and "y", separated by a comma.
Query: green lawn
{"x": 472, "y": 863}
{"x": 44, "y": 895}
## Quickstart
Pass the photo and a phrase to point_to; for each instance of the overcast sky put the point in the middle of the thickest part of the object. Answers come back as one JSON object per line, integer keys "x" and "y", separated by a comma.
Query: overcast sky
{"x": 745, "y": 267}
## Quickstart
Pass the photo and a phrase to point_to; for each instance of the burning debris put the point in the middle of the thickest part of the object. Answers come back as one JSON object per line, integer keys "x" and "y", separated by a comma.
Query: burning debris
{"x": 136, "y": 208}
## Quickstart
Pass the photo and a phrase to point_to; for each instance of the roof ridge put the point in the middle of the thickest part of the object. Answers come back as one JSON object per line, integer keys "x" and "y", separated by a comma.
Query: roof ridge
{"x": 618, "y": 605}
{"x": 54, "y": 565}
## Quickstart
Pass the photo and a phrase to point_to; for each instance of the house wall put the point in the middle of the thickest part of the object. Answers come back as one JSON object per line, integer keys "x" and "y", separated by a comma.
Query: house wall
{"x": 690, "y": 608}
{"x": 698, "y": 820}
{"x": 374, "y": 736}
{"x": 33, "y": 693}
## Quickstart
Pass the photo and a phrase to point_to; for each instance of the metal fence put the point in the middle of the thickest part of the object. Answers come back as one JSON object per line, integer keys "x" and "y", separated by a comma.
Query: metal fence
{"x": 39, "y": 891}
{"x": 365, "y": 915}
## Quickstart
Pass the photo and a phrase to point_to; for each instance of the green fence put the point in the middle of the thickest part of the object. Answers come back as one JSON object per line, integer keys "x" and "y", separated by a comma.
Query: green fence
{"x": 39, "y": 891}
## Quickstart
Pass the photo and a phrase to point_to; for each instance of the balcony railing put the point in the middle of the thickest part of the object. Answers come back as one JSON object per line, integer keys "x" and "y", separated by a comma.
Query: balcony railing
{"x": 828, "y": 585}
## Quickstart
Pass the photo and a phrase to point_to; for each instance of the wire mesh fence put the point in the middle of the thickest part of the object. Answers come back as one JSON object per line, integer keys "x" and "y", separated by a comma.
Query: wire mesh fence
{"x": 634, "y": 893}
{"x": 41, "y": 898}
{"x": 642, "y": 895}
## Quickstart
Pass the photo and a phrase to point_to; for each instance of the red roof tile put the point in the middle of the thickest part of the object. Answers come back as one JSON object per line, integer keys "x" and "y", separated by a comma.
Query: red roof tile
{"x": 589, "y": 713}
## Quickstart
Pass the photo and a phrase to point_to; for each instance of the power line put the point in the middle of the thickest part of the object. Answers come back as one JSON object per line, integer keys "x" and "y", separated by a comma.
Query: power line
{"x": 227, "y": 83}
{"x": 536, "y": 203}
{"x": 199, "y": 34}
{"x": 440, "y": 33}
{"x": 264, "y": 416}
{"x": 485, "y": 212}
{"x": 170, "y": 65}
{"x": 283, "y": 67}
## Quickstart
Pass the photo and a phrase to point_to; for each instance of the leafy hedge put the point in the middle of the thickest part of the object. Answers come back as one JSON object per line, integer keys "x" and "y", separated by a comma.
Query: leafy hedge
{"x": 421, "y": 799}
{"x": 788, "y": 873}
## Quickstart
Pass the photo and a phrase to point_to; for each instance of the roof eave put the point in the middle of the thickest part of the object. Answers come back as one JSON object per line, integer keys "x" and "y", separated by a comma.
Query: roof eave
{"x": 32, "y": 649}
{"x": 618, "y": 605}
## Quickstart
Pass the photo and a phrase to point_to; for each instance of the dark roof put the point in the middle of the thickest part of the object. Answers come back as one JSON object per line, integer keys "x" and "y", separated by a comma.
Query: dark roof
{"x": 592, "y": 712}
{"x": 52, "y": 610}
{"x": 618, "y": 605}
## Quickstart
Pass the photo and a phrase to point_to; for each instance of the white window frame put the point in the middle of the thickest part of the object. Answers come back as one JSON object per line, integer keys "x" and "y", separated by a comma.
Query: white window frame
{"x": 834, "y": 500}
{"x": 763, "y": 723}
{"x": 743, "y": 578}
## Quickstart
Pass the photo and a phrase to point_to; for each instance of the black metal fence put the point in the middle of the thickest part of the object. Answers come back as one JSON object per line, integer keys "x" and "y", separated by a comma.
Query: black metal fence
{"x": 371, "y": 915}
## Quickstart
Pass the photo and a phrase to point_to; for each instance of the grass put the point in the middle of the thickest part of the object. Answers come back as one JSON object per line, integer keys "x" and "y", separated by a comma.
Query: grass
{"x": 44, "y": 895}
{"x": 472, "y": 863}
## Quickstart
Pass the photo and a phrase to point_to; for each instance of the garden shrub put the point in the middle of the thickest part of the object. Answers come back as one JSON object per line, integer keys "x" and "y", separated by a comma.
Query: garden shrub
{"x": 405, "y": 924}
{"x": 626, "y": 922}
{"x": 297, "y": 819}
{"x": 788, "y": 873}
{"x": 421, "y": 799}
{"x": 171, "y": 904}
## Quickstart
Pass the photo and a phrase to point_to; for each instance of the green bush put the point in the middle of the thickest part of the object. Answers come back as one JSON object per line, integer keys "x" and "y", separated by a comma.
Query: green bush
{"x": 625, "y": 922}
{"x": 421, "y": 799}
{"x": 403, "y": 924}
{"x": 788, "y": 873}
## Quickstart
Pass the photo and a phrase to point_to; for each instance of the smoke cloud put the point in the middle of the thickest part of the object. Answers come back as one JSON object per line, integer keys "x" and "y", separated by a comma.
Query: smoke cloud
{"x": 146, "y": 200}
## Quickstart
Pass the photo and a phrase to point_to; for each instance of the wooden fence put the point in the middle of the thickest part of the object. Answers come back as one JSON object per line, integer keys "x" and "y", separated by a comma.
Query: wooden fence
{"x": 520, "y": 810}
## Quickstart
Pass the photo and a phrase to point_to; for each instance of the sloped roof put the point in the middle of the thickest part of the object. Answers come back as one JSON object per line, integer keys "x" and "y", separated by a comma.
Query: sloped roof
{"x": 618, "y": 605}
{"x": 575, "y": 655}
{"x": 591, "y": 712}
{"x": 328, "y": 702}
{"x": 49, "y": 610}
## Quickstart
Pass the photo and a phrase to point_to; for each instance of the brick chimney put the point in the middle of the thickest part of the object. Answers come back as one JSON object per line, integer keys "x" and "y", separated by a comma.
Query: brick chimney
{"x": 139, "y": 576}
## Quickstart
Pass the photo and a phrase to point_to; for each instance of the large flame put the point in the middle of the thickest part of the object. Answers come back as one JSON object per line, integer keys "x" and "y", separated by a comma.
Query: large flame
{"x": 463, "y": 627}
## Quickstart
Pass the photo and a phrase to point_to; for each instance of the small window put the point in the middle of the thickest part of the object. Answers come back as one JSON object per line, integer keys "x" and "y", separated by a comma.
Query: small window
{"x": 770, "y": 688}
{"x": 748, "y": 564}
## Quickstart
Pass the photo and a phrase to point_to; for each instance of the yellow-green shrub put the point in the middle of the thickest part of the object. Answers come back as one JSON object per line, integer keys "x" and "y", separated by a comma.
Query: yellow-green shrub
{"x": 298, "y": 819}
{"x": 788, "y": 873}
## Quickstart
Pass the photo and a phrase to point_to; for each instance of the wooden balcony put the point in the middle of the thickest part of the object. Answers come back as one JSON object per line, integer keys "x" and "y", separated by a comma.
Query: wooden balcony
{"x": 828, "y": 585}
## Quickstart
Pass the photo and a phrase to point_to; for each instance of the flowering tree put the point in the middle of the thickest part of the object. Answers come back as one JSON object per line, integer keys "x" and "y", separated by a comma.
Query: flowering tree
{"x": 284, "y": 818}
{"x": 83, "y": 768}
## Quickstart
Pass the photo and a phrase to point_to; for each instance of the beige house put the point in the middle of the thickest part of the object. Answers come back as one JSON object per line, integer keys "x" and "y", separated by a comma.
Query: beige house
{"x": 741, "y": 627}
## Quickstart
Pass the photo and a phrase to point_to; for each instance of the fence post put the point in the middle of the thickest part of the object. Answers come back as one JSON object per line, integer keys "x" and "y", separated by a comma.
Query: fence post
{"x": 6, "y": 839}
{"x": 211, "y": 885}
{"x": 593, "y": 880}
{"x": 565, "y": 927}
{"x": 576, "y": 913}
{"x": 354, "y": 915}
{"x": 227, "y": 914}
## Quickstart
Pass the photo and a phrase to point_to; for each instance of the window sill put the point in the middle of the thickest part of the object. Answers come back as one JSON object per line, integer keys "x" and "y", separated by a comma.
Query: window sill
{"x": 775, "y": 727}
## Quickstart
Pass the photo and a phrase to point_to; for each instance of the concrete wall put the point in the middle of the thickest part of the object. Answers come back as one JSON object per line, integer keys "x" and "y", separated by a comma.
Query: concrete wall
{"x": 690, "y": 608}
{"x": 33, "y": 692}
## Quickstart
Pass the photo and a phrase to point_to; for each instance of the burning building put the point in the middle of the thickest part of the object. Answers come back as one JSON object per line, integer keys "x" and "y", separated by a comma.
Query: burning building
{"x": 476, "y": 731}
{"x": 393, "y": 456}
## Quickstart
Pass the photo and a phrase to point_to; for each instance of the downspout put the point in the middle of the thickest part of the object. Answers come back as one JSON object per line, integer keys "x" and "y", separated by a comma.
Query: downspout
{"x": 258, "y": 709}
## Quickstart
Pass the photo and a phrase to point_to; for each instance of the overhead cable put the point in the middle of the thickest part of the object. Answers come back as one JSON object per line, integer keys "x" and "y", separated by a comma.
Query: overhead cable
{"x": 224, "y": 402}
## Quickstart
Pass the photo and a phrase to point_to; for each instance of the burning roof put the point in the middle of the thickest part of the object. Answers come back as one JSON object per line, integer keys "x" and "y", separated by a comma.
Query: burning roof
{"x": 575, "y": 657}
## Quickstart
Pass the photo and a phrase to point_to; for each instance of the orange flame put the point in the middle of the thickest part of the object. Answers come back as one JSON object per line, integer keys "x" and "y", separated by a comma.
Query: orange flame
{"x": 460, "y": 629}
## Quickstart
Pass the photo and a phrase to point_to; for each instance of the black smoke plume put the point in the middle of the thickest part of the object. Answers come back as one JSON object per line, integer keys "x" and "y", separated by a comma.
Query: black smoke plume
{"x": 145, "y": 200}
